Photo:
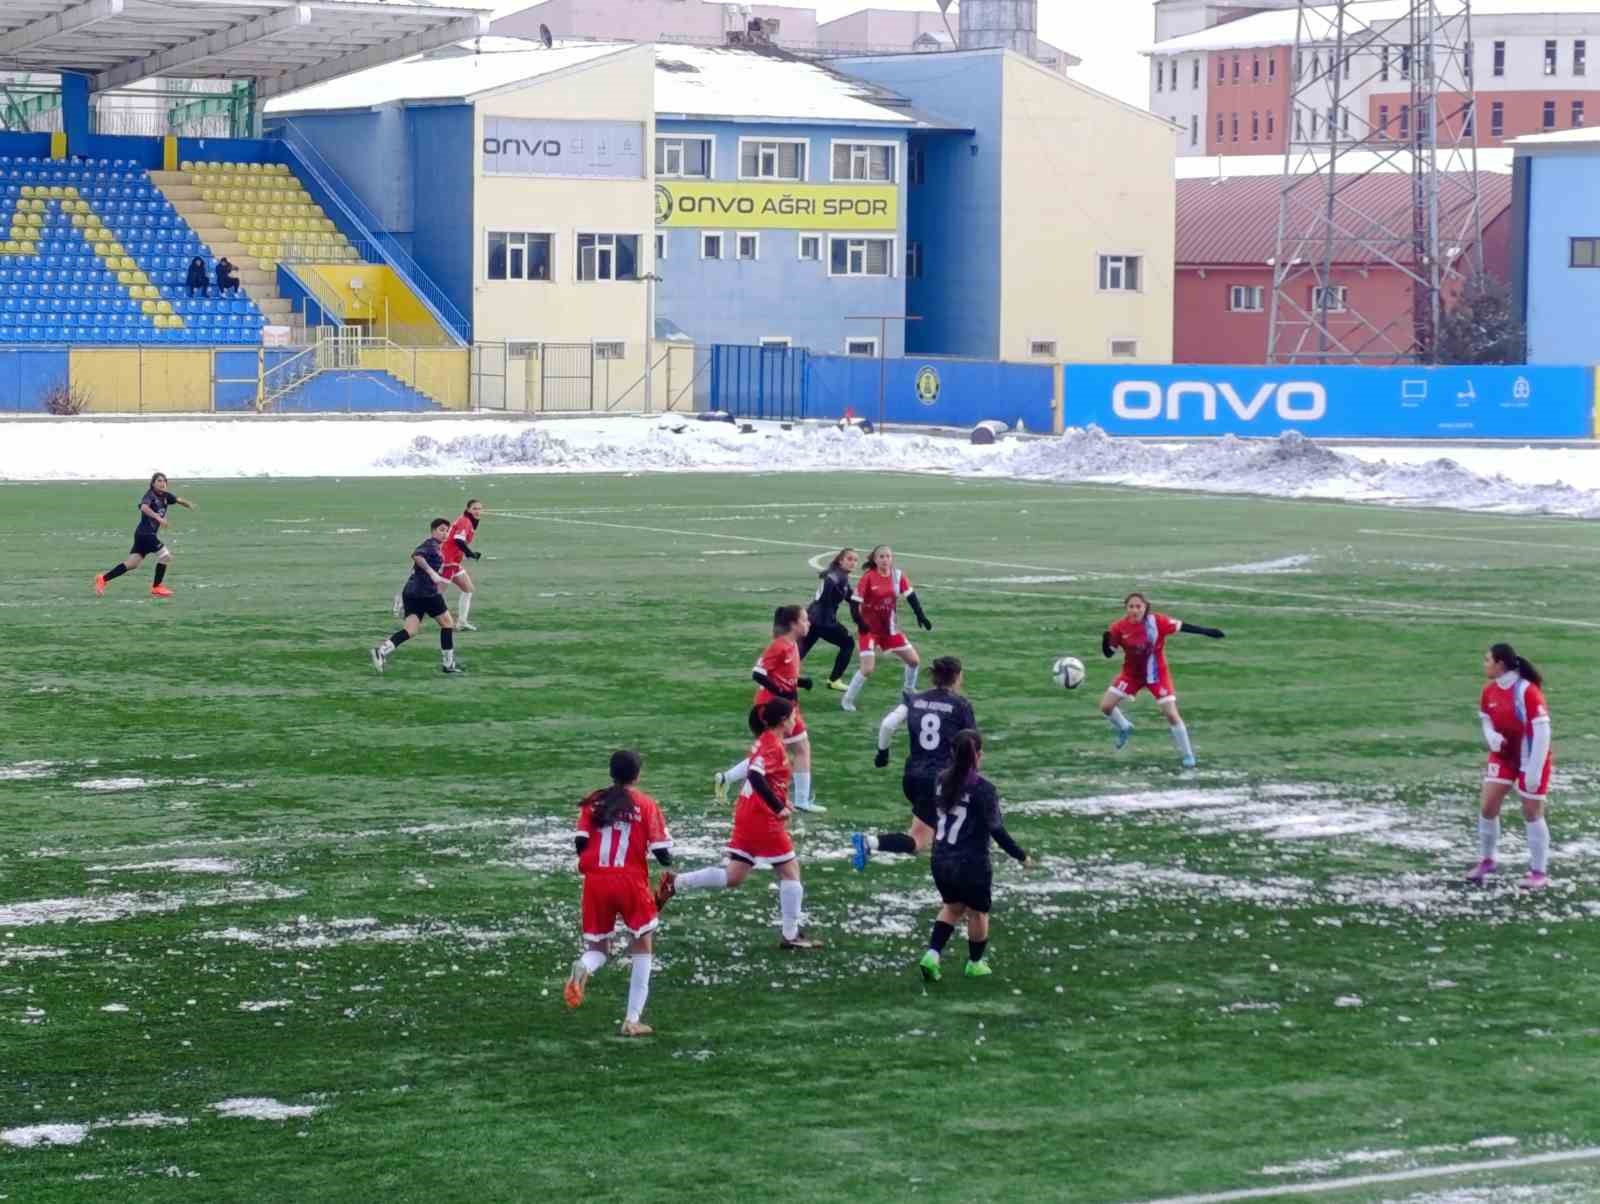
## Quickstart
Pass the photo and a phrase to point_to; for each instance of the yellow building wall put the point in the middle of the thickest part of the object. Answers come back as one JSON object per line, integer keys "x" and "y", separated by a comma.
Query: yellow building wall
{"x": 383, "y": 298}
{"x": 124, "y": 380}
{"x": 620, "y": 87}
{"x": 440, "y": 372}
{"x": 1083, "y": 175}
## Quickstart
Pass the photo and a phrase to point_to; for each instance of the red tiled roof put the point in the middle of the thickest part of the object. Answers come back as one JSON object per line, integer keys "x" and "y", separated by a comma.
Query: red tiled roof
{"x": 1234, "y": 219}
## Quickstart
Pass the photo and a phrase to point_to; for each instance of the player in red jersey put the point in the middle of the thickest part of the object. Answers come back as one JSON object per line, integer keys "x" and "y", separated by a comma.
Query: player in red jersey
{"x": 760, "y": 829}
{"x": 616, "y": 827}
{"x": 1142, "y": 635}
{"x": 1516, "y": 727}
{"x": 777, "y": 675}
{"x": 873, "y": 604}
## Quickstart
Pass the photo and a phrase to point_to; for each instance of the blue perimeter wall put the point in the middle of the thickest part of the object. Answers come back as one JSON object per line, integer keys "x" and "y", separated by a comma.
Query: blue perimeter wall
{"x": 1493, "y": 402}
{"x": 970, "y": 391}
{"x": 25, "y": 376}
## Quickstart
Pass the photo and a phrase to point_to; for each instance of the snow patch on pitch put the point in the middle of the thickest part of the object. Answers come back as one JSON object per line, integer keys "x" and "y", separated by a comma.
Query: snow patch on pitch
{"x": 1366, "y": 1158}
{"x": 1284, "y": 564}
{"x": 257, "y": 1107}
{"x": 175, "y": 865}
{"x": 27, "y": 1137}
{"x": 100, "y": 909}
{"x": 306, "y": 933}
{"x": 27, "y": 771}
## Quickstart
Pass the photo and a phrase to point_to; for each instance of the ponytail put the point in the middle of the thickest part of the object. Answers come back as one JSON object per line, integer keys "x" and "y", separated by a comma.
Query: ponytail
{"x": 963, "y": 768}
{"x": 1507, "y": 656}
{"x": 616, "y": 802}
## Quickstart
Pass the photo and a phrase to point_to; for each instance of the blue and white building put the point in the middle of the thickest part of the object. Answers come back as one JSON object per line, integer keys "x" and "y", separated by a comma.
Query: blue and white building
{"x": 1555, "y": 243}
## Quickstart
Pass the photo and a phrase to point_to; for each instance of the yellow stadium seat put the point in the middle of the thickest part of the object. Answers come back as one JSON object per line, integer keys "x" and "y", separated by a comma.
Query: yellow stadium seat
{"x": 163, "y": 307}
{"x": 147, "y": 307}
{"x": 69, "y": 190}
{"x": 26, "y": 190}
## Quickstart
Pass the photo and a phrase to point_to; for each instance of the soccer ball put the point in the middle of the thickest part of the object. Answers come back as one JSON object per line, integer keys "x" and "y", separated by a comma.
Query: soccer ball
{"x": 1068, "y": 672}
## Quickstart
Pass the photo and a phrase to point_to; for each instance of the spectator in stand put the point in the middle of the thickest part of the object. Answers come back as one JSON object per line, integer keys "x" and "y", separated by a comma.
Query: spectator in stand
{"x": 227, "y": 276}
{"x": 198, "y": 280}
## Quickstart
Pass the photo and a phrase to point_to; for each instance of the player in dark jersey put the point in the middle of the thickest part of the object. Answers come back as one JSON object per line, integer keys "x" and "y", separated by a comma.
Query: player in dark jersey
{"x": 936, "y": 717}
{"x": 833, "y": 590}
{"x": 969, "y": 817}
{"x": 147, "y": 537}
{"x": 423, "y": 597}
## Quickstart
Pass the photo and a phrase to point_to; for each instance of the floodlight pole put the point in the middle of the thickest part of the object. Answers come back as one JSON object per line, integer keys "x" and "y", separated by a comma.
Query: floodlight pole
{"x": 883, "y": 321}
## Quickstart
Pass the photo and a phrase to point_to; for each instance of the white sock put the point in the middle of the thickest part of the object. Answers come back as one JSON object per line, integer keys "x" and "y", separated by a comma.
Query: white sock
{"x": 854, "y": 690}
{"x": 911, "y": 677}
{"x": 385, "y": 648}
{"x": 713, "y": 878}
{"x": 790, "y": 893}
{"x": 449, "y": 656}
{"x": 638, "y": 986}
{"x": 872, "y": 842}
{"x": 738, "y": 773}
{"x": 466, "y": 605}
{"x": 1117, "y": 719}
{"x": 592, "y": 960}
{"x": 1180, "y": 740}
{"x": 1489, "y": 836}
{"x": 1538, "y": 845}
{"x": 802, "y": 787}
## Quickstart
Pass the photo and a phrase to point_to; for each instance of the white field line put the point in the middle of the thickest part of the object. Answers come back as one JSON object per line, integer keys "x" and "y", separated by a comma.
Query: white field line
{"x": 1344, "y": 600}
{"x": 1586, "y": 1154}
{"x": 1404, "y": 533}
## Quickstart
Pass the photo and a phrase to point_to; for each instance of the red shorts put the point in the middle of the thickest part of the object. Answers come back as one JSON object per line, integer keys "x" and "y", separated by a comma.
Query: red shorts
{"x": 609, "y": 896}
{"x": 449, "y": 571}
{"x": 1503, "y": 768}
{"x": 793, "y": 737}
{"x": 758, "y": 834}
{"x": 1161, "y": 689}
{"x": 870, "y": 642}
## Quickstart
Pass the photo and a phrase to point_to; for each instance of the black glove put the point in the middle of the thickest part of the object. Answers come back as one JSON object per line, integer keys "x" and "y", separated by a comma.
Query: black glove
{"x": 882, "y": 759}
{"x": 1211, "y": 633}
{"x": 476, "y": 555}
{"x": 1106, "y": 650}
{"x": 924, "y": 622}
{"x": 803, "y": 682}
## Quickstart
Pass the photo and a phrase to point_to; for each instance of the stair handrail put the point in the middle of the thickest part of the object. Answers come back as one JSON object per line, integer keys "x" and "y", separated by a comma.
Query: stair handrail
{"x": 326, "y": 298}
{"x": 369, "y": 228}
{"x": 307, "y": 358}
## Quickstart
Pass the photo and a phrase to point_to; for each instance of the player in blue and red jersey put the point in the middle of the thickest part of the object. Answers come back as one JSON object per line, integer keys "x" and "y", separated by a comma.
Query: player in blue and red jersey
{"x": 1142, "y": 635}
{"x": 617, "y": 828}
{"x": 1516, "y": 727}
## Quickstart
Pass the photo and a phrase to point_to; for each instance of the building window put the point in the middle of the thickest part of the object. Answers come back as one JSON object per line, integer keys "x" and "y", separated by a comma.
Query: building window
{"x": 860, "y": 256}
{"x": 1255, "y": 127}
{"x": 1272, "y": 67}
{"x": 913, "y": 261}
{"x": 1585, "y": 253}
{"x": 1161, "y": 75}
{"x": 1345, "y": 63}
{"x": 1405, "y": 121}
{"x": 863, "y": 161}
{"x": 1235, "y": 68}
{"x": 916, "y": 166}
{"x": 1331, "y": 298}
{"x": 1383, "y": 64}
{"x": 864, "y": 347}
{"x": 1577, "y": 114}
{"x": 1219, "y": 128}
{"x": 1580, "y": 57}
{"x": 710, "y": 245}
{"x": 1549, "y": 114}
{"x": 1120, "y": 273}
{"x": 1299, "y": 125}
{"x": 1255, "y": 68}
{"x": 1550, "y": 56}
{"x": 1466, "y": 61}
{"x": 1194, "y": 78}
{"x": 687, "y": 158}
{"x": 1124, "y": 349}
{"x": 661, "y": 247}
{"x": 608, "y": 257}
{"x": 1405, "y": 62}
{"x": 1235, "y": 127}
{"x": 1383, "y": 121}
{"x": 1272, "y": 123}
{"x": 811, "y": 247}
{"x": 517, "y": 256}
{"x": 1316, "y": 123}
{"x": 1497, "y": 119}
{"x": 1344, "y": 121}
{"x": 1042, "y": 348}
{"x": 1469, "y": 119}
{"x": 747, "y": 246}
{"x": 1222, "y": 70}
{"x": 1172, "y": 80}
{"x": 1194, "y": 131}
{"x": 1299, "y": 64}
{"x": 1246, "y": 298}
{"x": 1499, "y": 58}
{"x": 761, "y": 159}
{"x": 609, "y": 351}
{"x": 776, "y": 342}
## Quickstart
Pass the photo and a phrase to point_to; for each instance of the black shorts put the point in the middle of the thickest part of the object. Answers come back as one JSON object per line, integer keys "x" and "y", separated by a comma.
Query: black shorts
{"x": 966, "y": 882}
{"x": 430, "y": 607}
{"x": 145, "y": 545}
{"x": 922, "y": 792}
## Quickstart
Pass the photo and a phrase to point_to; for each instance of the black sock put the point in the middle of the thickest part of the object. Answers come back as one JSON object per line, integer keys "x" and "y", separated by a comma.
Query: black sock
{"x": 841, "y": 662}
{"x": 116, "y": 571}
{"x": 976, "y": 949}
{"x": 447, "y": 638}
{"x": 942, "y": 933}
{"x": 161, "y": 573}
{"x": 896, "y": 842}
{"x": 400, "y": 637}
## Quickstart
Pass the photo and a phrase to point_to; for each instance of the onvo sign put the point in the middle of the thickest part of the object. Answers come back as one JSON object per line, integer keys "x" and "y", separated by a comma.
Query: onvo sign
{"x": 1150, "y": 401}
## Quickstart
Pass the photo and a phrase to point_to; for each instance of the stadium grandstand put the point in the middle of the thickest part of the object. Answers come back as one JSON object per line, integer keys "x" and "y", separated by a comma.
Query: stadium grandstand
{"x": 102, "y": 231}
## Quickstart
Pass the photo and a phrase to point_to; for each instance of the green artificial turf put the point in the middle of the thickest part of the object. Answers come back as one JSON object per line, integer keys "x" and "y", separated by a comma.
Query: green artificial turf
{"x": 357, "y": 891}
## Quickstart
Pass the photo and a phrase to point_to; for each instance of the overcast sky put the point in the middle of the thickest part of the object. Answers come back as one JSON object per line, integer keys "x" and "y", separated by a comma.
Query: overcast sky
{"x": 1108, "y": 45}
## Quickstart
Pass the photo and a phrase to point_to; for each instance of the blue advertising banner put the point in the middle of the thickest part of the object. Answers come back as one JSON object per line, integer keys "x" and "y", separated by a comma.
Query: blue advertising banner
{"x": 1487, "y": 402}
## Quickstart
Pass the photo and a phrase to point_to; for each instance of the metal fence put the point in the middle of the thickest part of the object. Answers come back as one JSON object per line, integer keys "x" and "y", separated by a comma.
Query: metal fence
{"x": 531, "y": 376}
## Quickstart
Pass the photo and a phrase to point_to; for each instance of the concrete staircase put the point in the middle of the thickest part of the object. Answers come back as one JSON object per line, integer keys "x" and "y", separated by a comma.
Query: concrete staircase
{"x": 259, "y": 284}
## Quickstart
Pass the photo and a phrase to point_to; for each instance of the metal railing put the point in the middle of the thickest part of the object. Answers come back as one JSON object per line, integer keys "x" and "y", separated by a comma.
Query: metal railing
{"x": 371, "y": 238}
{"x": 530, "y": 376}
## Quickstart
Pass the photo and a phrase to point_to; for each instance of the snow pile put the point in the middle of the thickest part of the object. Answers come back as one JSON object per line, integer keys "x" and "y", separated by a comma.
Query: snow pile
{"x": 1503, "y": 478}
